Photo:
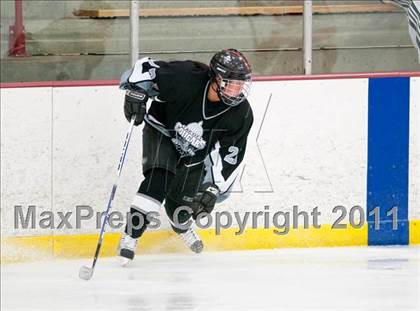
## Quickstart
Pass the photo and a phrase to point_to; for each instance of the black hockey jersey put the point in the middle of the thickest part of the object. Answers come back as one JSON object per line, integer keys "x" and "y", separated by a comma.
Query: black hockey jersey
{"x": 199, "y": 129}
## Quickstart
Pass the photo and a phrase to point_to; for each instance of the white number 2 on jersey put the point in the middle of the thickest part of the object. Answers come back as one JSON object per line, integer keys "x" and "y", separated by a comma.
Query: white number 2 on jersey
{"x": 232, "y": 157}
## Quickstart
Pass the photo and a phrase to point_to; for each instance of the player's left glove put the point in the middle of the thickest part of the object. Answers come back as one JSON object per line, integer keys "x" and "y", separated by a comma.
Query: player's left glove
{"x": 135, "y": 105}
{"x": 205, "y": 199}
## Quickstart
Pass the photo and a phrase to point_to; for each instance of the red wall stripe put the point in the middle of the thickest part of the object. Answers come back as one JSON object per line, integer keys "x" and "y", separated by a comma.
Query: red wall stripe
{"x": 258, "y": 78}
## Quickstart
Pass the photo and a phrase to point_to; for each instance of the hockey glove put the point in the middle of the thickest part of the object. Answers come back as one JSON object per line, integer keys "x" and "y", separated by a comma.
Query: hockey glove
{"x": 135, "y": 104}
{"x": 205, "y": 199}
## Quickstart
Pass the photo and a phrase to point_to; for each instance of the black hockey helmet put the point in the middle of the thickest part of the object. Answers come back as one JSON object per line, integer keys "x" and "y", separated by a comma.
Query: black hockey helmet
{"x": 232, "y": 73}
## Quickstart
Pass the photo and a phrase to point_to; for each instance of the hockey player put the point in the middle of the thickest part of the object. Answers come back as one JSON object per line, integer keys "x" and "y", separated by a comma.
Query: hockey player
{"x": 194, "y": 138}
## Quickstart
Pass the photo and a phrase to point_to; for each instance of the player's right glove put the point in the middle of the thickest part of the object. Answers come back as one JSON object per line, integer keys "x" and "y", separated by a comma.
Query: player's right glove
{"x": 205, "y": 199}
{"x": 135, "y": 104}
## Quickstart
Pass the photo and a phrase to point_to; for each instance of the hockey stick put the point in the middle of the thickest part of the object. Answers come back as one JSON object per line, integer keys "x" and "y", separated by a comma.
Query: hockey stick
{"x": 85, "y": 272}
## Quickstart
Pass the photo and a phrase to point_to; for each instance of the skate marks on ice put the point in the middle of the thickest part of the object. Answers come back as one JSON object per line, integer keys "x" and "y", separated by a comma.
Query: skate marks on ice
{"x": 287, "y": 279}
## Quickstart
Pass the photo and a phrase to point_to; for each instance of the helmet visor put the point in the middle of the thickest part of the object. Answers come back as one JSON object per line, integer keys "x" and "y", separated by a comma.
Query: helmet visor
{"x": 233, "y": 92}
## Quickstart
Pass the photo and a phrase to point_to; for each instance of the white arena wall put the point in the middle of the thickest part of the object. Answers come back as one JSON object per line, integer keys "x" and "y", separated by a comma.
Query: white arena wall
{"x": 308, "y": 148}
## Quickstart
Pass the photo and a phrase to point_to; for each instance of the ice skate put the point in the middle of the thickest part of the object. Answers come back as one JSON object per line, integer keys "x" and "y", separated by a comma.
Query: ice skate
{"x": 126, "y": 249}
{"x": 192, "y": 240}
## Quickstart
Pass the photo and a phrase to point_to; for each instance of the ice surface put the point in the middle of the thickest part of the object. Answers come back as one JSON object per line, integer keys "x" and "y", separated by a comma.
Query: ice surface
{"x": 371, "y": 278}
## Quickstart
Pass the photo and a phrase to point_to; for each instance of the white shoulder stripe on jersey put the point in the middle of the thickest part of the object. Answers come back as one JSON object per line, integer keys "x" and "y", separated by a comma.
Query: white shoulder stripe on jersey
{"x": 138, "y": 75}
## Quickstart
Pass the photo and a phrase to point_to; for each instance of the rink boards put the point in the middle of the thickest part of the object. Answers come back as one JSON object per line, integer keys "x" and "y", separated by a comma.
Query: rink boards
{"x": 345, "y": 147}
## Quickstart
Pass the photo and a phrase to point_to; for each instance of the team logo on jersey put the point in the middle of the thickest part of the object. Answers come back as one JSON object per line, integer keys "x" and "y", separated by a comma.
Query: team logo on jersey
{"x": 189, "y": 138}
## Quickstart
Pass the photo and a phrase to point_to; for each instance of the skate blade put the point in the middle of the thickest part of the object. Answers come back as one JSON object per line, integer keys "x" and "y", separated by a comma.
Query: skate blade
{"x": 124, "y": 262}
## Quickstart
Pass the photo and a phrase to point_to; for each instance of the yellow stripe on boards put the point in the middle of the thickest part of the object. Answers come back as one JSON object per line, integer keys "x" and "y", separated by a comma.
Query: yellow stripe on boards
{"x": 35, "y": 248}
{"x": 414, "y": 231}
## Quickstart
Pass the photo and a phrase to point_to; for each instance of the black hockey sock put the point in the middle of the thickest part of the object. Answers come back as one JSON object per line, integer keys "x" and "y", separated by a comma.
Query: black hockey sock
{"x": 136, "y": 223}
{"x": 177, "y": 214}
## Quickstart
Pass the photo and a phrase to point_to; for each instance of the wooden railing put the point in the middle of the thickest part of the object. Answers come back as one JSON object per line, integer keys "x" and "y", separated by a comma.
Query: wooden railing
{"x": 240, "y": 11}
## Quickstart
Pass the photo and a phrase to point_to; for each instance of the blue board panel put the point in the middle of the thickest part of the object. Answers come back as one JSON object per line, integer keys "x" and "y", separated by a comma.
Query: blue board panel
{"x": 388, "y": 143}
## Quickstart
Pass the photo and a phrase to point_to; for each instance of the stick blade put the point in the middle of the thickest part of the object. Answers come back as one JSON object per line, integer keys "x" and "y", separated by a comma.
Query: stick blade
{"x": 85, "y": 273}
